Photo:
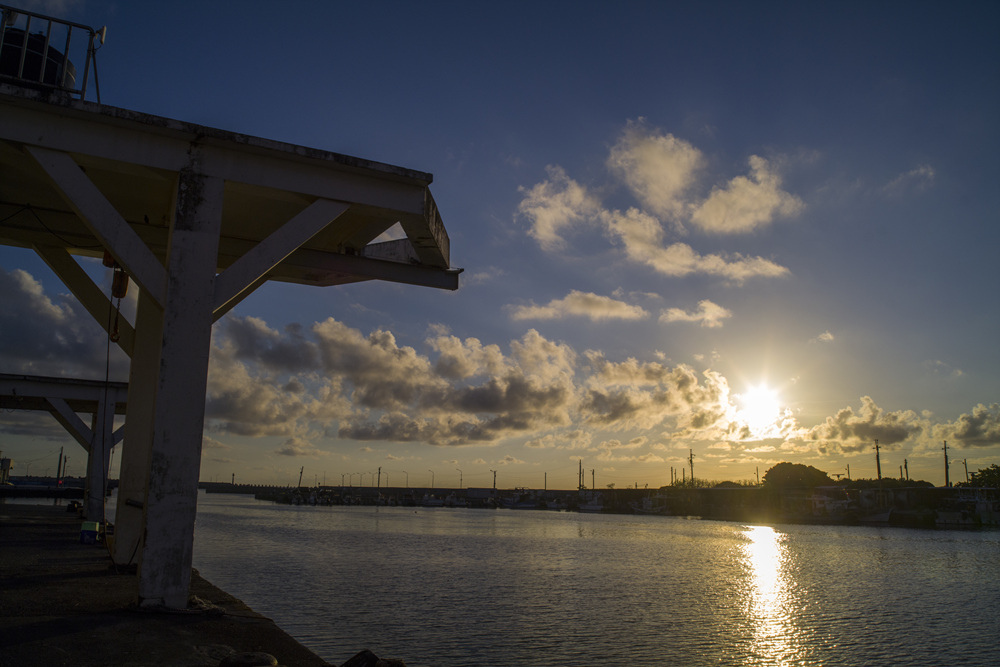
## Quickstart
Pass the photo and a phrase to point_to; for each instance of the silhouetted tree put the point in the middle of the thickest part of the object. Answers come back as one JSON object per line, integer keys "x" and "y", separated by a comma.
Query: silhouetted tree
{"x": 989, "y": 477}
{"x": 795, "y": 476}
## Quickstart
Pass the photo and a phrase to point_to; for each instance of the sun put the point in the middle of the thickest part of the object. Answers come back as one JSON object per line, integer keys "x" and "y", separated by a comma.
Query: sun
{"x": 760, "y": 408}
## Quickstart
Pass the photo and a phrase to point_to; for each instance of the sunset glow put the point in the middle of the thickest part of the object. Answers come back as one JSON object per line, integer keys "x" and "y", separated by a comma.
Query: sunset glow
{"x": 760, "y": 409}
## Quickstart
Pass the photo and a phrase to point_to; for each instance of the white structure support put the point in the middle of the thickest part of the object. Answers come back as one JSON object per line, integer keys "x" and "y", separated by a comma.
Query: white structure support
{"x": 134, "y": 471}
{"x": 179, "y": 417}
{"x": 65, "y": 400}
{"x": 198, "y": 217}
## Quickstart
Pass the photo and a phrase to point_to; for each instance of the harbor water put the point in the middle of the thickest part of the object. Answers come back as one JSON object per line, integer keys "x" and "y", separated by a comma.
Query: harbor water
{"x": 458, "y": 587}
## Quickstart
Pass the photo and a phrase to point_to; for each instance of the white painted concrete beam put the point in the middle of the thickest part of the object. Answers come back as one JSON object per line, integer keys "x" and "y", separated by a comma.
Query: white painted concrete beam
{"x": 162, "y": 143}
{"x": 71, "y": 422}
{"x": 103, "y": 220}
{"x": 87, "y": 293}
{"x": 239, "y": 280}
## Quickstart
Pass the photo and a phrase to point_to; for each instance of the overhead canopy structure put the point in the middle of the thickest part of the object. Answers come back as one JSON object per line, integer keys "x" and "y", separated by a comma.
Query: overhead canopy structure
{"x": 65, "y": 399}
{"x": 198, "y": 218}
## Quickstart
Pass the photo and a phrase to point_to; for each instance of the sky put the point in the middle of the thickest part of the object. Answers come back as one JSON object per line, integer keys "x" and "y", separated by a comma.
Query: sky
{"x": 747, "y": 232}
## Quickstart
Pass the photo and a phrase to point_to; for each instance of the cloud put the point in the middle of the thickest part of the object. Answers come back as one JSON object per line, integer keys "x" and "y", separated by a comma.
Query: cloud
{"x": 662, "y": 171}
{"x": 746, "y": 204}
{"x": 825, "y": 337}
{"x": 633, "y": 394}
{"x": 459, "y": 359}
{"x": 555, "y": 204}
{"x": 581, "y": 304}
{"x": 658, "y": 168}
{"x": 978, "y": 428}
{"x": 643, "y": 239}
{"x": 42, "y": 335}
{"x": 918, "y": 179}
{"x": 298, "y": 447}
{"x": 941, "y": 369}
{"x": 709, "y": 314}
{"x": 532, "y": 390}
{"x": 251, "y": 389}
{"x": 576, "y": 439}
{"x": 850, "y": 432}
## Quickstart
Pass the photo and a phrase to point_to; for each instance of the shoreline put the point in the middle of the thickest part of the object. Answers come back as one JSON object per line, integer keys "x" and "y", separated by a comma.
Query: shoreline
{"x": 64, "y": 604}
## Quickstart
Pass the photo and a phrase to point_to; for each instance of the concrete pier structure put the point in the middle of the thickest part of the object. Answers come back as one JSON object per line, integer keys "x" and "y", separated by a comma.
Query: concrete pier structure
{"x": 197, "y": 218}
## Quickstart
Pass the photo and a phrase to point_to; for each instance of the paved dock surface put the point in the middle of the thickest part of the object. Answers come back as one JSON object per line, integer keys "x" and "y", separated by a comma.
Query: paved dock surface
{"x": 62, "y": 603}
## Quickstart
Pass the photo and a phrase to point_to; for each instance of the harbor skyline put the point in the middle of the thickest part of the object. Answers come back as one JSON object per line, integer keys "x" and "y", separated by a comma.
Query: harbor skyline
{"x": 742, "y": 235}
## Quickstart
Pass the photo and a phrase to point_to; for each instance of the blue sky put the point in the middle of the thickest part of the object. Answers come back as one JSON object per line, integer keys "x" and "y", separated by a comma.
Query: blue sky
{"x": 658, "y": 207}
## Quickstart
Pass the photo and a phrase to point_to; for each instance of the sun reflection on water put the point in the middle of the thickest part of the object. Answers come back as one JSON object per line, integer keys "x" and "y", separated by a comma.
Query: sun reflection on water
{"x": 768, "y": 596}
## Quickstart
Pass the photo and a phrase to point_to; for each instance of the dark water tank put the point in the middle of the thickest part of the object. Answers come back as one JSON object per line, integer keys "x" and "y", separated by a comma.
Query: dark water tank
{"x": 32, "y": 71}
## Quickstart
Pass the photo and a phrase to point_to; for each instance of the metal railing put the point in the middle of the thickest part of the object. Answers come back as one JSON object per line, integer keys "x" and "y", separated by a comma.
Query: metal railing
{"x": 34, "y": 59}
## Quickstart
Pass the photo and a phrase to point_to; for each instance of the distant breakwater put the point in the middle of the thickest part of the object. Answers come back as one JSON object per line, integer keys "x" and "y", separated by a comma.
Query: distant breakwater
{"x": 918, "y": 507}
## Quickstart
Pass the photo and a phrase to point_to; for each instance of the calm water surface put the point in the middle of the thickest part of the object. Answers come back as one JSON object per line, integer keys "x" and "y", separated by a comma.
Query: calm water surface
{"x": 461, "y": 587}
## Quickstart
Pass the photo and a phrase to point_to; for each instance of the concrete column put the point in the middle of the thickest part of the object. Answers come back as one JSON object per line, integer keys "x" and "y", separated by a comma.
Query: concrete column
{"x": 132, "y": 479}
{"x": 102, "y": 440}
{"x": 179, "y": 414}
{"x": 93, "y": 497}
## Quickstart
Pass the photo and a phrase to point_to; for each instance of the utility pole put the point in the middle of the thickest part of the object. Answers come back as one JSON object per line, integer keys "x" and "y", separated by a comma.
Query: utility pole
{"x": 432, "y": 478}
{"x": 758, "y": 475}
{"x": 691, "y": 461}
{"x": 593, "y": 487}
{"x": 878, "y": 462}
{"x": 906, "y": 467}
{"x": 947, "y": 480}
{"x": 966, "y": 462}
{"x": 848, "y": 471}
{"x": 379, "y": 486}
{"x": 233, "y": 481}
{"x": 494, "y": 482}
{"x": 545, "y": 483}
{"x": 301, "y": 470}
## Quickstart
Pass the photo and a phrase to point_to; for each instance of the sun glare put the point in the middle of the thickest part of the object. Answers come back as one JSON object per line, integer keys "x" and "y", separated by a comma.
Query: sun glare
{"x": 759, "y": 408}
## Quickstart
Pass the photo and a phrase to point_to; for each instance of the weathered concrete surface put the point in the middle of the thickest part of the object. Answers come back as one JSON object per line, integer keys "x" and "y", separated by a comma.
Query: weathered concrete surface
{"x": 61, "y": 603}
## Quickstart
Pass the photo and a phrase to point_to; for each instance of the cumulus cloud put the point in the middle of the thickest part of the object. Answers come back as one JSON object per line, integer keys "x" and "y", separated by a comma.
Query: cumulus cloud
{"x": 662, "y": 172}
{"x": 849, "y": 431}
{"x": 658, "y": 168}
{"x": 709, "y": 314}
{"x": 633, "y": 394}
{"x": 825, "y": 337}
{"x": 55, "y": 336}
{"x": 643, "y": 238}
{"x": 746, "y": 204}
{"x": 555, "y": 204}
{"x": 581, "y": 304}
{"x": 979, "y": 427}
{"x": 330, "y": 380}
